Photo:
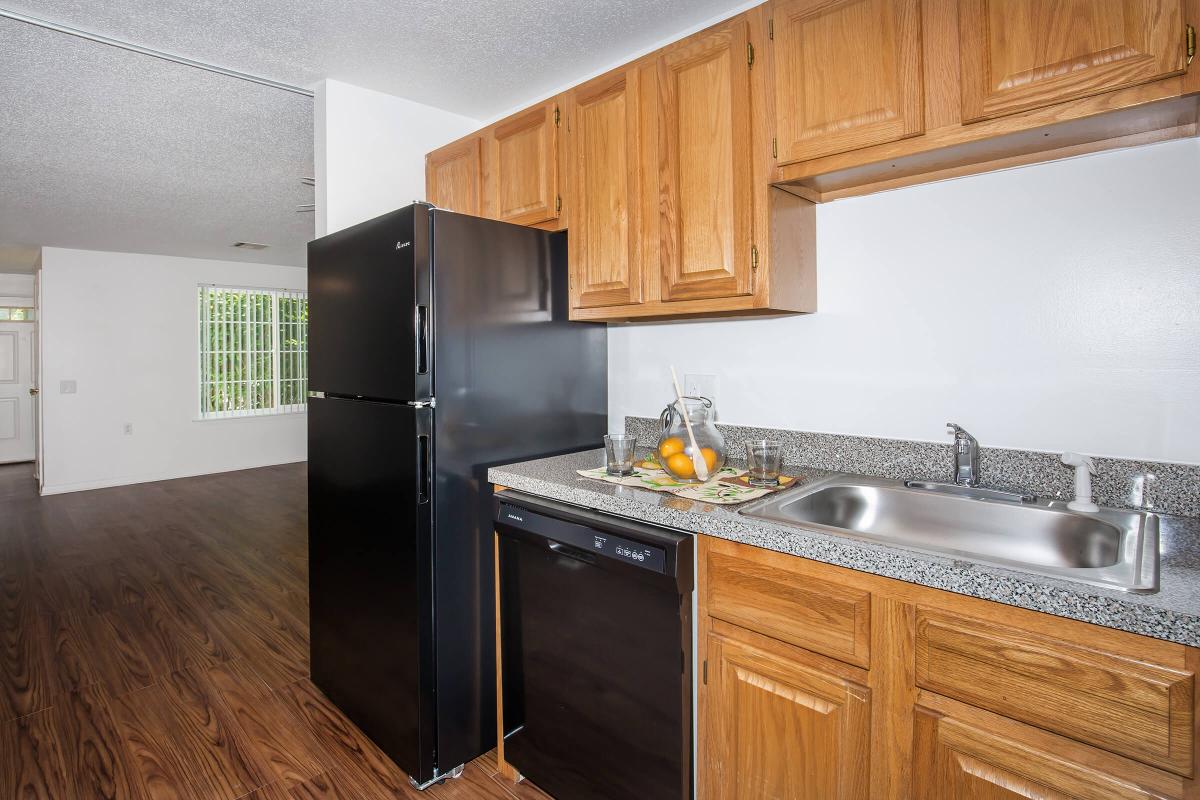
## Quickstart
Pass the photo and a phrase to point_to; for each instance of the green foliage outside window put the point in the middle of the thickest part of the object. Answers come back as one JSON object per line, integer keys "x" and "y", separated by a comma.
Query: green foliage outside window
{"x": 253, "y": 351}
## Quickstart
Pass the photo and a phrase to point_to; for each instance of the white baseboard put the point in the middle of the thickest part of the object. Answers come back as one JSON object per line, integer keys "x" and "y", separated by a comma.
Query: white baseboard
{"x": 129, "y": 480}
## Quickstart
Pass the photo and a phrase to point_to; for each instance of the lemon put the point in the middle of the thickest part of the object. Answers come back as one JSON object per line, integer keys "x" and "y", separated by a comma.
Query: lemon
{"x": 680, "y": 465}
{"x": 670, "y": 446}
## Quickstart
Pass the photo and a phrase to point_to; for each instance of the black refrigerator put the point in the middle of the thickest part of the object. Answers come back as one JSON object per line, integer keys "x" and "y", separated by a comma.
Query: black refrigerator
{"x": 438, "y": 346}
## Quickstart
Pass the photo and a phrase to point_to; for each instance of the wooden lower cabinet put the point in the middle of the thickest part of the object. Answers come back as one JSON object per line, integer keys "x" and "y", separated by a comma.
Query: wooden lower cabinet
{"x": 787, "y": 729}
{"x": 959, "y": 699}
{"x": 961, "y": 752}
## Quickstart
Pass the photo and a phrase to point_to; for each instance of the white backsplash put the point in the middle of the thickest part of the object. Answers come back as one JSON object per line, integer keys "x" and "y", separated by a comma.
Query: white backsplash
{"x": 1053, "y": 307}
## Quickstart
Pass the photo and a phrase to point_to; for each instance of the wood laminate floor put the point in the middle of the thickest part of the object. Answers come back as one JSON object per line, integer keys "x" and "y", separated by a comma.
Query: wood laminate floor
{"x": 154, "y": 646}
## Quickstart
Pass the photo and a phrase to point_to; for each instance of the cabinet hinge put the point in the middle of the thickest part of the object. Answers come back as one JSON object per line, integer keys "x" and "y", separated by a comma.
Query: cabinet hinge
{"x": 706, "y": 672}
{"x": 556, "y": 116}
{"x": 753, "y": 258}
{"x": 557, "y": 203}
{"x": 750, "y": 55}
{"x": 774, "y": 147}
{"x": 1191, "y": 43}
{"x": 771, "y": 29}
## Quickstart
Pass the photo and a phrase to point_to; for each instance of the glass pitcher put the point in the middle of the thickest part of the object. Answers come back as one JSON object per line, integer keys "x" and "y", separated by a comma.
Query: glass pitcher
{"x": 674, "y": 450}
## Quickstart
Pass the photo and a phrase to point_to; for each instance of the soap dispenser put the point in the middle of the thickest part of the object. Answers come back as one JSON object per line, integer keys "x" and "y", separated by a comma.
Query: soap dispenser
{"x": 1084, "y": 467}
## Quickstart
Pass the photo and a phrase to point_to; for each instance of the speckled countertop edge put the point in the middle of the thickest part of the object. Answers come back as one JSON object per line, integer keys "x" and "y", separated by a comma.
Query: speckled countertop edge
{"x": 1173, "y": 613}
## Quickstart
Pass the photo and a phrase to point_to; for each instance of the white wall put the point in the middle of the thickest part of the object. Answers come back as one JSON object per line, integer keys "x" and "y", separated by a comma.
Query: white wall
{"x": 370, "y": 151}
{"x": 1052, "y": 307}
{"x": 125, "y": 328}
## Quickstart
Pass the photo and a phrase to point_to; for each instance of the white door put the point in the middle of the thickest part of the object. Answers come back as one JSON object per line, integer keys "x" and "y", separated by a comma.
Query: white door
{"x": 17, "y": 440}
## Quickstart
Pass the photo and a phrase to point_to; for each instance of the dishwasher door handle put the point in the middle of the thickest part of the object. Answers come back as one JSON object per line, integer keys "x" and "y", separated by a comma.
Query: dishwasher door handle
{"x": 572, "y": 552}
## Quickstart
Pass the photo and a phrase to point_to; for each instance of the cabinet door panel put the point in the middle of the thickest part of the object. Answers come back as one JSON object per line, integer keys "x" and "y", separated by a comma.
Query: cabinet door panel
{"x": 1139, "y": 710}
{"x": 847, "y": 75}
{"x": 522, "y": 163}
{"x": 453, "y": 177}
{"x": 705, "y": 166}
{"x": 781, "y": 730}
{"x": 824, "y": 617}
{"x": 1023, "y": 54}
{"x": 603, "y": 245}
{"x": 962, "y": 753}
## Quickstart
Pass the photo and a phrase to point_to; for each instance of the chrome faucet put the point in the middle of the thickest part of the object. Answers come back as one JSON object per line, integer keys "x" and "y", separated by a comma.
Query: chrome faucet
{"x": 966, "y": 456}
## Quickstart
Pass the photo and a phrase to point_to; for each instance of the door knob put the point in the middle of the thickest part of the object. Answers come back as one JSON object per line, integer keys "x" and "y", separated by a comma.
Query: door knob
{"x": 33, "y": 391}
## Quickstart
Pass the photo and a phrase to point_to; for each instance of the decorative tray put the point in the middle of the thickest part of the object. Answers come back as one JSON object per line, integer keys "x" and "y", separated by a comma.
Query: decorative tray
{"x": 727, "y": 487}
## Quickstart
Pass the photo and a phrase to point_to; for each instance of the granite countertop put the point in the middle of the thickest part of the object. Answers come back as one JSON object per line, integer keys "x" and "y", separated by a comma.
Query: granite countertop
{"x": 1172, "y": 613}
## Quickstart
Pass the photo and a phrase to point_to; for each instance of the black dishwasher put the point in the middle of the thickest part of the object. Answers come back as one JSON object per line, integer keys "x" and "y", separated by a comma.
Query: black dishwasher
{"x": 596, "y": 640}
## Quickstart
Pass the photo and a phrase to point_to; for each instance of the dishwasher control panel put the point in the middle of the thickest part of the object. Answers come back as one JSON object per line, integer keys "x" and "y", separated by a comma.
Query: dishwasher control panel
{"x": 585, "y": 538}
{"x": 642, "y": 555}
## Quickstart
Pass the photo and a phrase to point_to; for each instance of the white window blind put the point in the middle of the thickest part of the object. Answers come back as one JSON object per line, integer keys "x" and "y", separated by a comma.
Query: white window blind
{"x": 253, "y": 351}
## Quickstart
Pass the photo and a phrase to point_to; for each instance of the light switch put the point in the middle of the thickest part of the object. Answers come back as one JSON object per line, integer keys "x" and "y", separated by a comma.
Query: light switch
{"x": 66, "y": 387}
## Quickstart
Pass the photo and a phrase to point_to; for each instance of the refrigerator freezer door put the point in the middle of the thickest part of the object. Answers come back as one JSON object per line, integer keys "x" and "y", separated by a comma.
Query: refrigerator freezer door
{"x": 370, "y": 472}
{"x": 369, "y": 309}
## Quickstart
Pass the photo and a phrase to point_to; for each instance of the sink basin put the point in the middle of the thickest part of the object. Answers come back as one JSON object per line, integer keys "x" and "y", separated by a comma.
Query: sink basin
{"x": 1112, "y": 548}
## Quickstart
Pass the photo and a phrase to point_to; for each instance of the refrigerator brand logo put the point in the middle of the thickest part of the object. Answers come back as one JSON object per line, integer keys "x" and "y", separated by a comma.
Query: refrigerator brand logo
{"x": 514, "y": 516}
{"x": 402, "y": 245}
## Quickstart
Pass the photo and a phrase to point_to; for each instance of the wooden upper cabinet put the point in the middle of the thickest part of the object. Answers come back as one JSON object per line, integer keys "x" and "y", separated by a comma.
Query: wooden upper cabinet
{"x": 705, "y": 165}
{"x": 453, "y": 177}
{"x": 522, "y": 167}
{"x": 1023, "y": 54}
{"x": 780, "y": 729}
{"x": 847, "y": 75}
{"x": 604, "y": 248}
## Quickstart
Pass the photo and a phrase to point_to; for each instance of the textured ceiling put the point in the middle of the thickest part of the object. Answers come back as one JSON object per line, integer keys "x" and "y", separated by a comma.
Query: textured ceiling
{"x": 475, "y": 57}
{"x": 104, "y": 149}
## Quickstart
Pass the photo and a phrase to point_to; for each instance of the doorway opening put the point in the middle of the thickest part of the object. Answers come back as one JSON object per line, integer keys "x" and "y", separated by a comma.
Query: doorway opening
{"x": 20, "y": 434}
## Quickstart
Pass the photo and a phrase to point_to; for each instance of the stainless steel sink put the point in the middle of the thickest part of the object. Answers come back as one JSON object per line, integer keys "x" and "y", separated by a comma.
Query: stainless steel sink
{"x": 1112, "y": 548}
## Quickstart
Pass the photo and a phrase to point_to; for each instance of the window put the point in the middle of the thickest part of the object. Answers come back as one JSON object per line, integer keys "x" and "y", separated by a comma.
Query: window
{"x": 253, "y": 352}
{"x": 16, "y": 314}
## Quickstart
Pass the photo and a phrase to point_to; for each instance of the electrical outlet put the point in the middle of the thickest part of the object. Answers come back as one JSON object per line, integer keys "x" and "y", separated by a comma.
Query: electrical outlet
{"x": 699, "y": 385}
{"x": 129, "y": 429}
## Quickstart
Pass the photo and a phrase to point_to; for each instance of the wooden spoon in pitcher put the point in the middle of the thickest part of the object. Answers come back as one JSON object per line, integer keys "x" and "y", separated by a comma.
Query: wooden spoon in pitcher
{"x": 697, "y": 457}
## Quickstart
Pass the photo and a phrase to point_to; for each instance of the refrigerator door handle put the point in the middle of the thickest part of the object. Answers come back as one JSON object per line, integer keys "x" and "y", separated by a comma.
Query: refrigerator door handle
{"x": 421, "y": 323}
{"x": 423, "y": 469}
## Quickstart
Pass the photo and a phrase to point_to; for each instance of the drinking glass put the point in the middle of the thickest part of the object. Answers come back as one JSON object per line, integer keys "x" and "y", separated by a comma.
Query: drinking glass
{"x": 763, "y": 458}
{"x": 619, "y": 449}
